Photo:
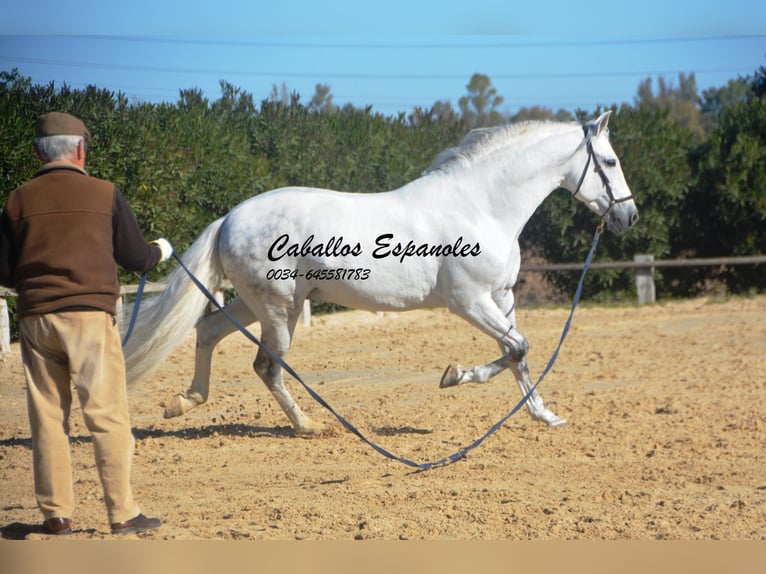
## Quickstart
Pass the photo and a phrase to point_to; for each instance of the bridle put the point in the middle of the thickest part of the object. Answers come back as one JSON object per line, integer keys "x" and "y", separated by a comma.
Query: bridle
{"x": 600, "y": 171}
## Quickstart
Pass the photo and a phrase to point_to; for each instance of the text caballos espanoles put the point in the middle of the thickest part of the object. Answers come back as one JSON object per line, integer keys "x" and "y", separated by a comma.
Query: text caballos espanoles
{"x": 385, "y": 246}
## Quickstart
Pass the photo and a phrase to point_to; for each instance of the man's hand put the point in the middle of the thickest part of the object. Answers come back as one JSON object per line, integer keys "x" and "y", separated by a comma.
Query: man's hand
{"x": 165, "y": 248}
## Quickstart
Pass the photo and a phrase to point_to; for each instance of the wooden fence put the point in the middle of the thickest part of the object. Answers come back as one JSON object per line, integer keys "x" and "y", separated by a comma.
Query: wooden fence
{"x": 643, "y": 264}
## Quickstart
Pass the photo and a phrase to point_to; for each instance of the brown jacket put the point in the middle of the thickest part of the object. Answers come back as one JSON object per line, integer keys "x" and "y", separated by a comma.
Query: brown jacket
{"x": 62, "y": 235}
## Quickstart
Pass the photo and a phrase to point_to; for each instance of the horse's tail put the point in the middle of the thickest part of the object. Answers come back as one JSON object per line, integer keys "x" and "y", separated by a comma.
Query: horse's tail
{"x": 164, "y": 320}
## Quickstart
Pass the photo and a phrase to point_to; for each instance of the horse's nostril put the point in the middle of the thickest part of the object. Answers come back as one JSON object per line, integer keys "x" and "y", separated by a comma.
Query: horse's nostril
{"x": 633, "y": 218}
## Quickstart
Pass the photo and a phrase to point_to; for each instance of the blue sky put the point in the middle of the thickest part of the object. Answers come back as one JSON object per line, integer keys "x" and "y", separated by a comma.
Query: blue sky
{"x": 390, "y": 55}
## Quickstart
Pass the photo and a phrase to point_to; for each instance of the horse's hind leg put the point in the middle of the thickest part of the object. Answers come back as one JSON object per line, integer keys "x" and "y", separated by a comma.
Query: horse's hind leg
{"x": 211, "y": 329}
{"x": 277, "y": 328}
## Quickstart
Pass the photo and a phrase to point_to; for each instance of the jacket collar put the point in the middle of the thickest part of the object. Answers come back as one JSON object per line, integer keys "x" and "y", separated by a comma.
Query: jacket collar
{"x": 56, "y": 165}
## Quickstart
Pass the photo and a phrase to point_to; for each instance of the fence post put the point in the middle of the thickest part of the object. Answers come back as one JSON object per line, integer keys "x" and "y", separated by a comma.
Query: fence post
{"x": 5, "y": 327}
{"x": 645, "y": 279}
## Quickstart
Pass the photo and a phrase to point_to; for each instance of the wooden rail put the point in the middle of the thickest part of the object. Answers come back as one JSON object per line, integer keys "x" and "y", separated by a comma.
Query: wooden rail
{"x": 643, "y": 264}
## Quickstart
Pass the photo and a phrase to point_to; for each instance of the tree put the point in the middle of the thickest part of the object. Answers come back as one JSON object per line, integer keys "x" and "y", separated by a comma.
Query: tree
{"x": 716, "y": 100}
{"x": 681, "y": 102}
{"x": 725, "y": 214}
{"x": 758, "y": 83}
{"x": 540, "y": 113}
{"x": 183, "y": 164}
{"x": 192, "y": 99}
{"x": 479, "y": 107}
{"x": 17, "y": 116}
{"x": 280, "y": 94}
{"x": 439, "y": 112}
{"x": 321, "y": 101}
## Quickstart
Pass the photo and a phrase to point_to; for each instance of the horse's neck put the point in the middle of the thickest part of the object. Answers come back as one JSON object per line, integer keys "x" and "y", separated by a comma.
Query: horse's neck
{"x": 510, "y": 184}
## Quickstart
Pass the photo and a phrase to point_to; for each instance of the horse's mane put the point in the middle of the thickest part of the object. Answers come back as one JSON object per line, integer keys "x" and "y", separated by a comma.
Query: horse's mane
{"x": 483, "y": 141}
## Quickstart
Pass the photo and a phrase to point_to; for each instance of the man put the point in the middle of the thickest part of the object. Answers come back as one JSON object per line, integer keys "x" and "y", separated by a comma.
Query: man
{"x": 62, "y": 235}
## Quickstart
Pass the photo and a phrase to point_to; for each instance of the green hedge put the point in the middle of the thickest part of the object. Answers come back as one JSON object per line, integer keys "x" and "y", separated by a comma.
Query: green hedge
{"x": 183, "y": 165}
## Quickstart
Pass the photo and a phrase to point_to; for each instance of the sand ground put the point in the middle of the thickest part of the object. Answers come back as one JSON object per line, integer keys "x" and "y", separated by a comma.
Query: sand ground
{"x": 666, "y": 436}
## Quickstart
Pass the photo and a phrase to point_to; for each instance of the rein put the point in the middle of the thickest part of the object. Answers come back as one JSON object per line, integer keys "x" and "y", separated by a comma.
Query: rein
{"x": 136, "y": 304}
{"x": 350, "y": 427}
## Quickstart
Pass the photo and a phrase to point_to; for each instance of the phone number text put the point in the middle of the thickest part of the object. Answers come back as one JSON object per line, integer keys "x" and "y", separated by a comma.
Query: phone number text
{"x": 341, "y": 274}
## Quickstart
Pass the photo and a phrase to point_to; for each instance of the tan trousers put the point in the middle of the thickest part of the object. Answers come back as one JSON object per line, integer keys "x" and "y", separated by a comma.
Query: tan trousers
{"x": 80, "y": 349}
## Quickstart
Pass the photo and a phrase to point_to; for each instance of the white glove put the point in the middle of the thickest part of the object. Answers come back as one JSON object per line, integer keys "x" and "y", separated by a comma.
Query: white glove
{"x": 165, "y": 248}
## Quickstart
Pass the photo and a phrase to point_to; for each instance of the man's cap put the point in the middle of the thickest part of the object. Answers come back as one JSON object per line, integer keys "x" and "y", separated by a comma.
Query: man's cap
{"x": 60, "y": 124}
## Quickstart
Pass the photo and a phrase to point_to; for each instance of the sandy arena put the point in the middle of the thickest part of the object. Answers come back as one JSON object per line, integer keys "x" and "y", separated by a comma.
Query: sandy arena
{"x": 666, "y": 436}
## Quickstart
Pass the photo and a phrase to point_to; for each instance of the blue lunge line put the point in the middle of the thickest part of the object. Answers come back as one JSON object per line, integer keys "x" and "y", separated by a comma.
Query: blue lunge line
{"x": 136, "y": 304}
{"x": 422, "y": 466}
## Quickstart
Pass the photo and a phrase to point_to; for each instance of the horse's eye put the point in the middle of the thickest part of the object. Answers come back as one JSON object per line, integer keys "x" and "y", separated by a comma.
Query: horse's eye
{"x": 611, "y": 162}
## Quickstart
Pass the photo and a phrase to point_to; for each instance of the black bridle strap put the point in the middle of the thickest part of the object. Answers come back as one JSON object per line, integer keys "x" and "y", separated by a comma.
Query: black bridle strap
{"x": 584, "y": 171}
{"x": 602, "y": 175}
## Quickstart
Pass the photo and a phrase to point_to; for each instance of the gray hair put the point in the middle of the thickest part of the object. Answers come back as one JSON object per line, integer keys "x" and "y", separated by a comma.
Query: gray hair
{"x": 53, "y": 148}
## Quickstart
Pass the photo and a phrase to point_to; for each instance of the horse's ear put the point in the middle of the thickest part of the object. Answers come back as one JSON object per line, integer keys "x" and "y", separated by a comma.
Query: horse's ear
{"x": 595, "y": 127}
{"x": 602, "y": 121}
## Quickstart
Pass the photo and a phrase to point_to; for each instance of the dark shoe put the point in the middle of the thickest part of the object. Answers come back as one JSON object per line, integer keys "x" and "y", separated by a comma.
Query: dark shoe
{"x": 57, "y": 526}
{"x": 138, "y": 524}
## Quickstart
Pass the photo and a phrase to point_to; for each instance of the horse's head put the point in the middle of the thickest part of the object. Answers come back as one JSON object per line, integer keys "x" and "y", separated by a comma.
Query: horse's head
{"x": 603, "y": 188}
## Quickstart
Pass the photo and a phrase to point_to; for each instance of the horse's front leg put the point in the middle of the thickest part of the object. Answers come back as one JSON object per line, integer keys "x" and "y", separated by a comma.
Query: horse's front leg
{"x": 498, "y": 320}
{"x": 457, "y": 375}
{"x": 211, "y": 329}
{"x": 535, "y": 404}
{"x": 514, "y": 348}
{"x": 481, "y": 374}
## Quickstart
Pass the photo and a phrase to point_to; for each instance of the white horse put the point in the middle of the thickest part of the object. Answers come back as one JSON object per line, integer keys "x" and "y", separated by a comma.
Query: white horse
{"x": 447, "y": 239}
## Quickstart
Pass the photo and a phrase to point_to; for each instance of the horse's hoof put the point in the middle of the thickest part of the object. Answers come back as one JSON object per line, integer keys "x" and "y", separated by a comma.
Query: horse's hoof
{"x": 557, "y": 422}
{"x": 178, "y": 405}
{"x": 450, "y": 377}
{"x": 311, "y": 429}
{"x": 548, "y": 417}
